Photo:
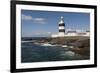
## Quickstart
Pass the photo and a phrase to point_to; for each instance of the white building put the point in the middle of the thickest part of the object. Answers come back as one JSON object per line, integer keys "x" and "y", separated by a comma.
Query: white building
{"x": 71, "y": 33}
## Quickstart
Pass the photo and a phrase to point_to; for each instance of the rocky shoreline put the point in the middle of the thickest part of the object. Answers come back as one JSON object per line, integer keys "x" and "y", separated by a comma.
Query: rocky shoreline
{"x": 79, "y": 44}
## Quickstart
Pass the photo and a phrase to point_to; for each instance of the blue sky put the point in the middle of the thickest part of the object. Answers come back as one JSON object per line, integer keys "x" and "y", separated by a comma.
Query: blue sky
{"x": 44, "y": 23}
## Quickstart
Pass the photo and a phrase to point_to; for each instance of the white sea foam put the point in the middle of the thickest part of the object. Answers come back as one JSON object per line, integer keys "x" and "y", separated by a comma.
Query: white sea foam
{"x": 47, "y": 44}
{"x": 69, "y": 53}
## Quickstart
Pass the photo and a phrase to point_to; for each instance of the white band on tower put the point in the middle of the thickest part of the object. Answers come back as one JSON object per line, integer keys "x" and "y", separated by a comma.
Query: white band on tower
{"x": 61, "y": 27}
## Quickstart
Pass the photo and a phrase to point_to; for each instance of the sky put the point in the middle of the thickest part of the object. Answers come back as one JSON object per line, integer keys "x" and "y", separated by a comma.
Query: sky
{"x": 44, "y": 23}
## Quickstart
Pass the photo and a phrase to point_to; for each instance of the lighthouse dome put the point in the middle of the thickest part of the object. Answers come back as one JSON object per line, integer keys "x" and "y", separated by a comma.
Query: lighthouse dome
{"x": 62, "y": 20}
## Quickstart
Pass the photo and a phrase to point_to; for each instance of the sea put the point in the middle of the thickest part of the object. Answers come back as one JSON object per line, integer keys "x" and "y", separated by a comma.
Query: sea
{"x": 31, "y": 52}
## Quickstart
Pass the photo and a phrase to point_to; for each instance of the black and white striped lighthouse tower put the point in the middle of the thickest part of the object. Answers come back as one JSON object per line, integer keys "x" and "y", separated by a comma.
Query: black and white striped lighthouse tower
{"x": 61, "y": 27}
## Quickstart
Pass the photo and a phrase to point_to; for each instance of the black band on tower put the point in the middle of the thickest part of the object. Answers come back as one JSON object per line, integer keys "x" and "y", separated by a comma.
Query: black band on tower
{"x": 62, "y": 24}
{"x": 61, "y": 30}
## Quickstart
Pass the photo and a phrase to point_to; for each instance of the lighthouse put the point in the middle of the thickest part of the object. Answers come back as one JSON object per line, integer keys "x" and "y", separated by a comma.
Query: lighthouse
{"x": 61, "y": 33}
{"x": 61, "y": 27}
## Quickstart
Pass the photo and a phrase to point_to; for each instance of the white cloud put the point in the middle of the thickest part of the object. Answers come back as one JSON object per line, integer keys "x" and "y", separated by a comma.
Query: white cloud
{"x": 39, "y": 20}
{"x": 41, "y": 34}
{"x": 26, "y": 17}
{"x": 35, "y": 20}
{"x": 48, "y": 32}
